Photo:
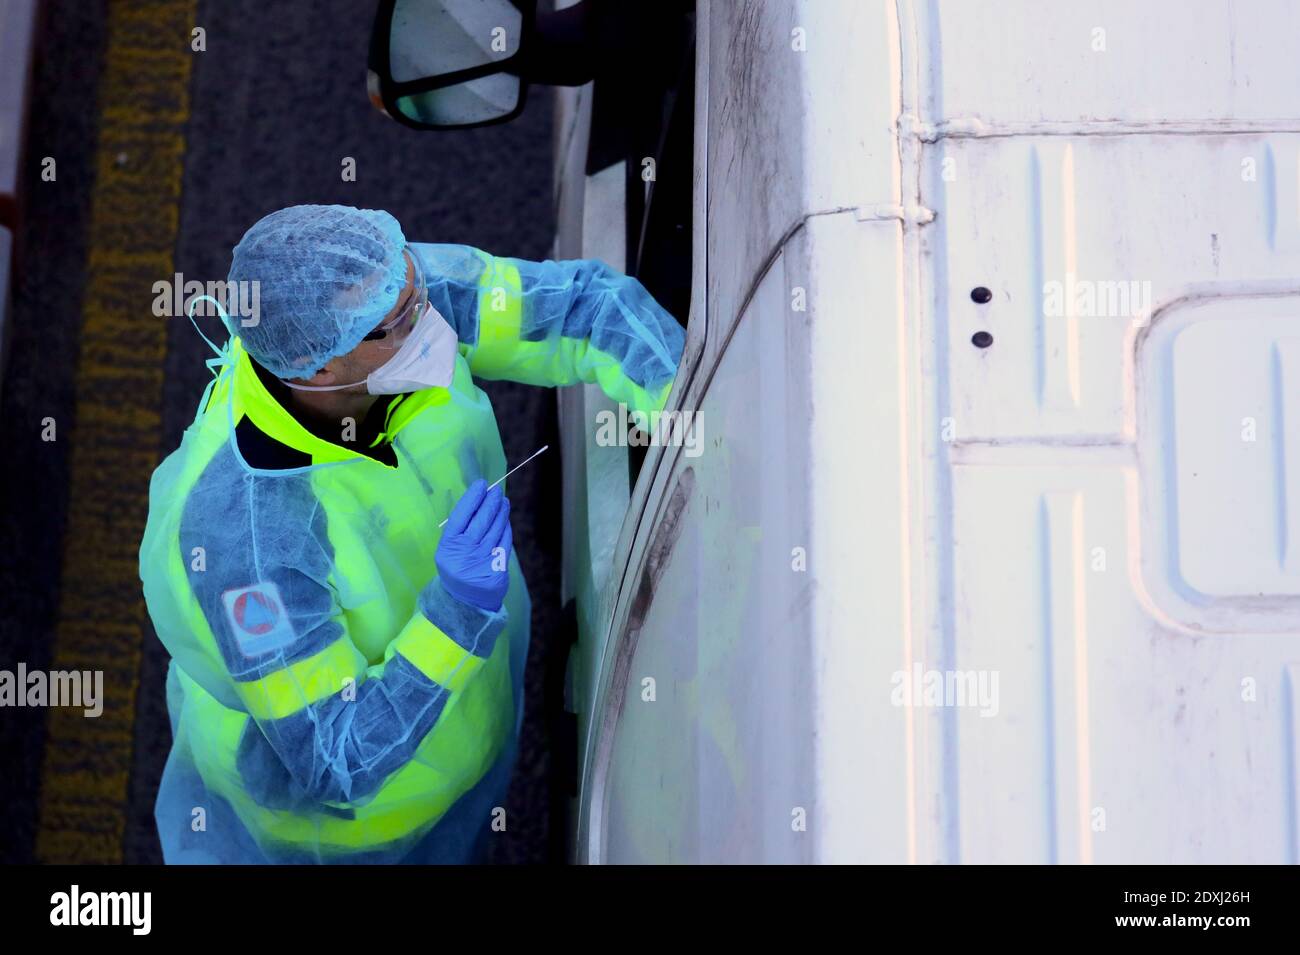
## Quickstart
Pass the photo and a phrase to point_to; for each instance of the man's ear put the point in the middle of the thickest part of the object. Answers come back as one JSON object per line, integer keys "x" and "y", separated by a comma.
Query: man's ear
{"x": 329, "y": 375}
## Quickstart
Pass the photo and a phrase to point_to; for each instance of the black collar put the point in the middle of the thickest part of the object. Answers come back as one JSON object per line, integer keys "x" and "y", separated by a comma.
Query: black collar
{"x": 262, "y": 451}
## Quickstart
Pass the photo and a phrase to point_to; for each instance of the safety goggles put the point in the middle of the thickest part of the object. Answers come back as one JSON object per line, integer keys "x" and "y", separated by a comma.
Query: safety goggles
{"x": 396, "y": 330}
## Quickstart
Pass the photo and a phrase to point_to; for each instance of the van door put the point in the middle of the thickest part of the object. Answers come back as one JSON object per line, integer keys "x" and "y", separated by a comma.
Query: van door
{"x": 1114, "y": 270}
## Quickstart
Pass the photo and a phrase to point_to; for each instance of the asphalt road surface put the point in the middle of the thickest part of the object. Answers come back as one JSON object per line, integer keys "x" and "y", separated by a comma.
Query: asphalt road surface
{"x": 164, "y": 151}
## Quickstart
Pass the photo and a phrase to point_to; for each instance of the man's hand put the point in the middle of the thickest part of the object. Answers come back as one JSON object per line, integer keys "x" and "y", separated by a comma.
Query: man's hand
{"x": 474, "y": 554}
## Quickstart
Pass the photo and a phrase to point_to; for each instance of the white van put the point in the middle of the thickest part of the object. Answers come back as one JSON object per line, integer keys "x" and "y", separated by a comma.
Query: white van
{"x": 983, "y": 550}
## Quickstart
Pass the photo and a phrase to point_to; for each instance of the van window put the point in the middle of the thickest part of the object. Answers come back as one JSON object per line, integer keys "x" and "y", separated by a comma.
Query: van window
{"x": 648, "y": 123}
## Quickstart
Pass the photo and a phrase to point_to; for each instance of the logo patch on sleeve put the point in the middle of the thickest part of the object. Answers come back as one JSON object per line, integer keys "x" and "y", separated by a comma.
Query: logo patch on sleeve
{"x": 258, "y": 619}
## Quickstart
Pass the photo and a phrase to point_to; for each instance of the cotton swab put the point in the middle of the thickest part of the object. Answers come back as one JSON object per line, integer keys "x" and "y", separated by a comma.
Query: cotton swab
{"x": 508, "y": 473}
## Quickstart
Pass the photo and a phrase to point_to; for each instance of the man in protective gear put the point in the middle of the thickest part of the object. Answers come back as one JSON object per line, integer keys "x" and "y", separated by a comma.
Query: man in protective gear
{"x": 346, "y": 682}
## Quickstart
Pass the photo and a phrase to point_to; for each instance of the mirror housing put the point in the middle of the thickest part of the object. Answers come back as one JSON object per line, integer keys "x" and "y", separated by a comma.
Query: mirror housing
{"x": 448, "y": 64}
{"x": 459, "y": 64}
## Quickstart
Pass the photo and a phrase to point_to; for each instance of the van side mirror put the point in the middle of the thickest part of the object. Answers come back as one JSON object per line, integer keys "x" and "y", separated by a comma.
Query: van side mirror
{"x": 449, "y": 64}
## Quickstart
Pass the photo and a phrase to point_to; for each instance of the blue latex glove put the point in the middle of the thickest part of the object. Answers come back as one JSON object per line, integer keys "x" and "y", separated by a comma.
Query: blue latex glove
{"x": 478, "y": 525}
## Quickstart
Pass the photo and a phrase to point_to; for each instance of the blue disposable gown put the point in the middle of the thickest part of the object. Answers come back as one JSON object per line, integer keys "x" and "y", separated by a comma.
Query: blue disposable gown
{"x": 329, "y": 700}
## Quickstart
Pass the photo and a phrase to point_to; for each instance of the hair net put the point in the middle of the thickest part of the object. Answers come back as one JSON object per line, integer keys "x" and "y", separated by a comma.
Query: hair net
{"x": 327, "y": 275}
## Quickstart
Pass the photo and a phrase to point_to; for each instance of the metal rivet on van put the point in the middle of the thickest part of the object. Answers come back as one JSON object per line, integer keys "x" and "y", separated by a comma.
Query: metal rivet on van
{"x": 980, "y": 295}
{"x": 981, "y": 339}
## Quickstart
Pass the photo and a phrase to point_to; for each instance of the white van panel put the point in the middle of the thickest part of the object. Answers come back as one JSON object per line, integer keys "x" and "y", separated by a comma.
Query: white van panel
{"x": 1111, "y": 496}
{"x": 803, "y": 98}
{"x": 1086, "y": 529}
{"x": 1218, "y": 447}
{"x": 1167, "y": 61}
{"x": 711, "y": 753}
{"x": 1119, "y": 226}
{"x": 860, "y": 483}
{"x": 1115, "y": 738}
{"x": 772, "y": 736}
{"x": 1234, "y": 415}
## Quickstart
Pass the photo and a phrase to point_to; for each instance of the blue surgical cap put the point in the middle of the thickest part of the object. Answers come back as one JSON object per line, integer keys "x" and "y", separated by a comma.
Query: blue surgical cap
{"x": 326, "y": 277}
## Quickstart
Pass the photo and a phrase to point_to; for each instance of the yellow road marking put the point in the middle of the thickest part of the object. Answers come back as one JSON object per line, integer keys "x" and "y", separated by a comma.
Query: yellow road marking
{"x": 135, "y": 214}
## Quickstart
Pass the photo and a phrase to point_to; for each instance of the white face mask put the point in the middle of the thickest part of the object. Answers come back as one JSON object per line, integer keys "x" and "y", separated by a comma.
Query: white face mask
{"x": 427, "y": 359}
